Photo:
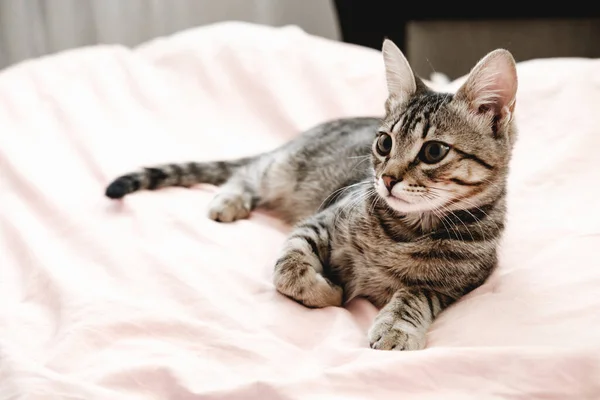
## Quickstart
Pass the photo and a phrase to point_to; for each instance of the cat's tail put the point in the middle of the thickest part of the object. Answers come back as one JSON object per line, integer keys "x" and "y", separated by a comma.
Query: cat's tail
{"x": 184, "y": 174}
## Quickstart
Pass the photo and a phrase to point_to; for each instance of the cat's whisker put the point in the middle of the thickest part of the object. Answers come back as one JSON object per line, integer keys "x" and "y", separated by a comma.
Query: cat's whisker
{"x": 448, "y": 212}
{"x": 463, "y": 223}
{"x": 353, "y": 203}
{"x": 434, "y": 210}
{"x": 472, "y": 205}
{"x": 443, "y": 220}
{"x": 359, "y": 163}
{"x": 475, "y": 206}
{"x": 440, "y": 270}
{"x": 483, "y": 180}
{"x": 488, "y": 218}
{"x": 341, "y": 191}
{"x": 438, "y": 188}
{"x": 444, "y": 217}
{"x": 376, "y": 199}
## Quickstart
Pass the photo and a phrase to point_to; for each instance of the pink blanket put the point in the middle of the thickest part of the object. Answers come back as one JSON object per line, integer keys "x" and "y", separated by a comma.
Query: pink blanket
{"x": 148, "y": 299}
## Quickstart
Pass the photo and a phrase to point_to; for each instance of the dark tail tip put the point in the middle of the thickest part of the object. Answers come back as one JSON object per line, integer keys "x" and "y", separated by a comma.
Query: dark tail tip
{"x": 118, "y": 189}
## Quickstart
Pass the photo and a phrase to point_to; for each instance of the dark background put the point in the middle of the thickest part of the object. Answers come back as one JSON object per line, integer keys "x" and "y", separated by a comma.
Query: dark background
{"x": 450, "y": 37}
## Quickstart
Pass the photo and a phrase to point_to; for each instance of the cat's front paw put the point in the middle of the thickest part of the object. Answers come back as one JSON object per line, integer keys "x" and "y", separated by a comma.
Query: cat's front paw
{"x": 391, "y": 333}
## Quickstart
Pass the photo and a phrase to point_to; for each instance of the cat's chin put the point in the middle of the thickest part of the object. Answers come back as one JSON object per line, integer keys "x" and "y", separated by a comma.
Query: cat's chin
{"x": 404, "y": 207}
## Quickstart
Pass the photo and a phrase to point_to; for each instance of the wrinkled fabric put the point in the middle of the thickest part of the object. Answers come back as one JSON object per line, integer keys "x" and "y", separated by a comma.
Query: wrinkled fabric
{"x": 146, "y": 298}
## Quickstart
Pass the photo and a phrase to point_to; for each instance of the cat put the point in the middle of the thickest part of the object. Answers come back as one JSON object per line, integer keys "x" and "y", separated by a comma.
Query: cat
{"x": 406, "y": 211}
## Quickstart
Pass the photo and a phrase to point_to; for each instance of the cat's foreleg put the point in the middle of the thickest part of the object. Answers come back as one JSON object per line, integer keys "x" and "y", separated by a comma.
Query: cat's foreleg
{"x": 299, "y": 271}
{"x": 403, "y": 323}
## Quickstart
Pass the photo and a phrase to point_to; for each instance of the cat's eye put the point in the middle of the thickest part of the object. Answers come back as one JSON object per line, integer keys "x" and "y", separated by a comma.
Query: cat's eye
{"x": 433, "y": 152}
{"x": 384, "y": 144}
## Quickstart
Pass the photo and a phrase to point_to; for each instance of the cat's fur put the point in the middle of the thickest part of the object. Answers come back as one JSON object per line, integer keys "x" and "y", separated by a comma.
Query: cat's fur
{"x": 412, "y": 252}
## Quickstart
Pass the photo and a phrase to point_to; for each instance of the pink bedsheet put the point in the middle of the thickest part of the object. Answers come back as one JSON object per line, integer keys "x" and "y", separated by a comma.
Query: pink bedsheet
{"x": 148, "y": 299}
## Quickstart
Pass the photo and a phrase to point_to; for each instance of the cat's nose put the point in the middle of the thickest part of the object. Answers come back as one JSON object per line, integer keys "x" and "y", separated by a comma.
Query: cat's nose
{"x": 389, "y": 182}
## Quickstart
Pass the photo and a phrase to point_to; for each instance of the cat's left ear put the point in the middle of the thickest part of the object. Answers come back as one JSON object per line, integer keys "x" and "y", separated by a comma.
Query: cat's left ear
{"x": 401, "y": 81}
{"x": 492, "y": 86}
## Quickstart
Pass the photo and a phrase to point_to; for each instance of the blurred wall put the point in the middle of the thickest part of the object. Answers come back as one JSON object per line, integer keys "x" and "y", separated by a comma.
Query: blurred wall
{"x": 31, "y": 28}
{"x": 453, "y": 47}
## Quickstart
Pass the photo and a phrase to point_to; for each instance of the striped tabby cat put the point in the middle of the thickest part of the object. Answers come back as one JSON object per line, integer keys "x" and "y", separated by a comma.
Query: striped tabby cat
{"x": 406, "y": 211}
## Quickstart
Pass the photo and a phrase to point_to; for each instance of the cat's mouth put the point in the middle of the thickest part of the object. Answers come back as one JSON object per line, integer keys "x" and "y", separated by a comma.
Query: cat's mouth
{"x": 404, "y": 205}
{"x": 407, "y": 201}
{"x": 400, "y": 200}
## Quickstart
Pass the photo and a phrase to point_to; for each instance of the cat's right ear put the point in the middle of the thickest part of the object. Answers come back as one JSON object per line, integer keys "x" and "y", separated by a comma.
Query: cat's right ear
{"x": 492, "y": 85}
{"x": 400, "y": 78}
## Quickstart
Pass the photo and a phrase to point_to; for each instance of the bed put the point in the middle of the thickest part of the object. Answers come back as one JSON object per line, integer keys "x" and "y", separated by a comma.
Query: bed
{"x": 147, "y": 298}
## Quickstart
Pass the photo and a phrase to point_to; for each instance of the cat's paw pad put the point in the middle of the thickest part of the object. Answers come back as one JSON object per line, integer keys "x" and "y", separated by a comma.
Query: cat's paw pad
{"x": 227, "y": 207}
{"x": 395, "y": 335}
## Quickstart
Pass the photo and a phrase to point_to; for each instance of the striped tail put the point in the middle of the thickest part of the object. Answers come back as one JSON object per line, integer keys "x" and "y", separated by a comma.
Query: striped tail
{"x": 183, "y": 175}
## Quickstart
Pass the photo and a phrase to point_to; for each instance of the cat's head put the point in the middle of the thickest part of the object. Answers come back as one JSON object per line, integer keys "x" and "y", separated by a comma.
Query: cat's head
{"x": 437, "y": 151}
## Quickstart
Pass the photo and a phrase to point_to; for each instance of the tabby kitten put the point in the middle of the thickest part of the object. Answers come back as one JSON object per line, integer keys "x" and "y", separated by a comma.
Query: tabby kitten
{"x": 406, "y": 211}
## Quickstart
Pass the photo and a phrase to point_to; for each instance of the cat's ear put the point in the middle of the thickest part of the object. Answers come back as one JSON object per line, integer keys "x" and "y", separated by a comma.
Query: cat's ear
{"x": 401, "y": 81}
{"x": 492, "y": 85}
